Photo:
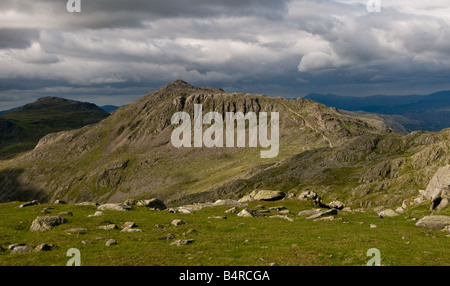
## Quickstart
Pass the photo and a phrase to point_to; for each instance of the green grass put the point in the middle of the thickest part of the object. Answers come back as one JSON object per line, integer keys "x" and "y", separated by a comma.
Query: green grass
{"x": 229, "y": 242}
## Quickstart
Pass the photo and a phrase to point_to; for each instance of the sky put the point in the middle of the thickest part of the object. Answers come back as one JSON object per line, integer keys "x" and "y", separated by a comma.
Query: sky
{"x": 115, "y": 51}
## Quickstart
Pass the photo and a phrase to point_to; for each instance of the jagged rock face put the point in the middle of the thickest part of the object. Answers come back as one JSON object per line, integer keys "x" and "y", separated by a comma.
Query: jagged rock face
{"x": 439, "y": 184}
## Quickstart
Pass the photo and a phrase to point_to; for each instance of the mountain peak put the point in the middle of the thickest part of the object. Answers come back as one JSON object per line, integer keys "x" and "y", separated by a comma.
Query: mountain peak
{"x": 178, "y": 84}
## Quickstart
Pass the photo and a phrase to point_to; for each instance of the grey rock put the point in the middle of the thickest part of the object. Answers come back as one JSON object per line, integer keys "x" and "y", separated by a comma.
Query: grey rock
{"x": 265, "y": 195}
{"x": 60, "y": 202}
{"x": 167, "y": 237}
{"x": 128, "y": 224}
{"x": 307, "y": 195}
{"x": 66, "y": 213}
{"x": 114, "y": 207}
{"x": 279, "y": 208}
{"x": 177, "y": 222}
{"x": 336, "y": 205}
{"x": 87, "y": 204}
{"x": 77, "y": 230}
{"x": 285, "y": 217}
{"x": 387, "y": 213}
{"x": 217, "y": 217}
{"x": 129, "y": 229}
{"x": 323, "y": 214}
{"x": 434, "y": 222}
{"x": 28, "y": 204}
{"x": 438, "y": 184}
{"x": 22, "y": 248}
{"x": 233, "y": 210}
{"x": 152, "y": 203}
{"x": 111, "y": 242}
{"x": 107, "y": 227}
{"x": 46, "y": 223}
{"x": 249, "y": 213}
{"x": 325, "y": 218}
{"x": 231, "y": 203}
{"x": 182, "y": 242}
{"x": 309, "y": 212}
{"x": 97, "y": 213}
{"x": 44, "y": 247}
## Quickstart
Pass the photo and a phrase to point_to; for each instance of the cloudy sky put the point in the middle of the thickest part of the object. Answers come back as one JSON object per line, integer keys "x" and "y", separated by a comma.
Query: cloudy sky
{"x": 115, "y": 51}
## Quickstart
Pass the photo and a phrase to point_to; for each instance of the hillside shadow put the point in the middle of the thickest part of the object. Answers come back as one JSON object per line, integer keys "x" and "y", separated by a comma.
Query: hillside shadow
{"x": 12, "y": 188}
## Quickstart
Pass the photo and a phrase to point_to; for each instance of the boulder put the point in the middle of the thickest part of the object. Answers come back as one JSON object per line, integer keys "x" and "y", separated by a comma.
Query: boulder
{"x": 44, "y": 247}
{"x": 182, "y": 242}
{"x": 336, "y": 205}
{"x": 249, "y": 213}
{"x": 21, "y": 248}
{"x": 77, "y": 230}
{"x": 87, "y": 204}
{"x": 66, "y": 213}
{"x": 60, "y": 202}
{"x": 28, "y": 204}
{"x": 111, "y": 242}
{"x": 269, "y": 195}
{"x": 152, "y": 203}
{"x": 107, "y": 227}
{"x": 233, "y": 210}
{"x": 231, "y": 203}
{"x": 310, "y": 212}
{"x": 114, "y": 207}
{"x": 434, "y": 222}
{"x": 387, "y": 213}
{"x": 177, "y": 222}
{"x": 285, "y": 217}
{"x": 330, "y": 212}
{"x": 307, "y": 195}
{"x": 97, "y": 213}
{"x": 45, "y": 223}
{"x": 438, "y": 184}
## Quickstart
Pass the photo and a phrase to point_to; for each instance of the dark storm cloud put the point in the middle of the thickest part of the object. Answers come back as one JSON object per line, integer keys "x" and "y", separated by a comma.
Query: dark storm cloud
{"x": 288, "y": 48}
{"x": 17, "y": 38}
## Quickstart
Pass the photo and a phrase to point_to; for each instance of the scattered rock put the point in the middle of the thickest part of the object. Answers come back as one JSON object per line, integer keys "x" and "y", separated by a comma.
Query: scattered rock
{"x": 285, "y": 217}
{"x": 309, "y": 212}
{"x": 326, "y": 218}
{"x": 20, "y": 248}
{"x": 67, "y": 213}
{"x": 128, "y": 224}
{"x": 307, "y": 195}
{"x": 231, "y": 203}
{"x": 265, "y": 195}
{"x": 387, "y": 213}
{"x": 159, "y": 226}
{"x": 336, "y": 205}
{"x": 182, "y": 242}
{"x": 279, "y": 208}
{"x": 87, "y": 204}
{"x": 347, "y": 209}
{"x": 249, "y": 213}
{"x": 379, "y": 209}
{"x": 107, "y": 227}
{"x": 399, "y": 210}
{"x": 111, "y": 242}
{"x": 273, "y": 264}
{"x": 77, "y": 230}
{"x": 434, "y": 222}
{"x": 446, "y": 229}
{"x": 320, "y": 214}
{"x": 45, "y": 223}
{"x": 189, "y": 232}
{"x": 372, "y": 225}
{"x": 233, "y": 210}
{"x": 218, "y": 217}
{"x": 97, "y": 213}
{"x": 114, "y": 207}
{"x": 177, "y": 222}
{"x": 129, "y": 229}
{"x": 28, "y": 204}
{"x": 152, "y": 203}
{"x": 60, "y": 202}
{"x": 44, "y": 247}
{"x": 167, "y": 237}
{"x": 183, "y": 210}
{"x": 130, "y": 202}
{"x": 360, "y": 210}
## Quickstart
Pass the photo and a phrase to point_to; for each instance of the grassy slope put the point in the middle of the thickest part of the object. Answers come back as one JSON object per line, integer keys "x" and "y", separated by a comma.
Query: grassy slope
{"x": 234, "y": 241}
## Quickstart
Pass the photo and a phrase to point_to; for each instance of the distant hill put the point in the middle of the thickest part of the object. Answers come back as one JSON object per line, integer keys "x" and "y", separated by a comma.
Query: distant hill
{"x": 23, "y": 127}
{"x": 418, "y": 112}
{"x": 109, "y": 108}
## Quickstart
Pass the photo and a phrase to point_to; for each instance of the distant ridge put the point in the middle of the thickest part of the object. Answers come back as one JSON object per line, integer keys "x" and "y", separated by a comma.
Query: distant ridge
{"x": 425, "y": 112}
{"x": 21, "y": 128}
